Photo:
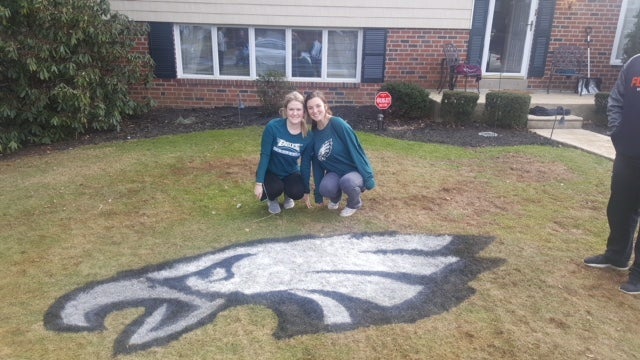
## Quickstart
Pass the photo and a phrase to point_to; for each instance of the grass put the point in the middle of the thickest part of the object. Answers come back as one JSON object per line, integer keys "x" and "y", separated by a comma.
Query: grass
{"x": 73, "y": 217}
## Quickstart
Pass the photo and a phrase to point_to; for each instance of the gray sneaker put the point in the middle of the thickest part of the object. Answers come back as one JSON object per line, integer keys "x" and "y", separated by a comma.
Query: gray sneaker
{"x": 333, "y": 206}
{"x": 347, "y": 212}
{"x": 289, "y": 203}
{"x": 631, "y": 287}
{"x": 601, "y": 261}
{"x": 274, "y": 207}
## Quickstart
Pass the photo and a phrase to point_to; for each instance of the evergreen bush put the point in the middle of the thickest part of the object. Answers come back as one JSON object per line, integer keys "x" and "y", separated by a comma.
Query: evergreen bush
{"x": 457, "y": 107}
{"x": 601, "y": 100}
{"x": 507, "y": 109}
{"x": 66, "y": 66}
{"x": 409, "y": 101}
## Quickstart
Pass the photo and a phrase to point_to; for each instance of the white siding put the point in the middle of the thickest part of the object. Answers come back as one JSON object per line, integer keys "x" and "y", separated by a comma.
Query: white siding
{"x": 423, "y": 14}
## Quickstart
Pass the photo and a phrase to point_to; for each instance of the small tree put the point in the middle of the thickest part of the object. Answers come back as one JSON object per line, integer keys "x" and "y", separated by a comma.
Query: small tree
{"x": 632, "y": 44}
{"x": 65, "y": 66}
{"x": 272, "y": 88}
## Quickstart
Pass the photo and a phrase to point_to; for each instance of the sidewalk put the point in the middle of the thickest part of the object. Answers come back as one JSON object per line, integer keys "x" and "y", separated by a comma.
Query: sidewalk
{"x": 586, "y": 140}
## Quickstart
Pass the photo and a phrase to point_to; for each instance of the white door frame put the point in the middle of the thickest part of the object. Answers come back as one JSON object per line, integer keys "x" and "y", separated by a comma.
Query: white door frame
{"x": 527, "y": 46}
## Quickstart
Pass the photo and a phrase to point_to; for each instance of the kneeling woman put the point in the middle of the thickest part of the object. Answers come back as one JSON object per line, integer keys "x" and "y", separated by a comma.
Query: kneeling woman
{"x": 340, "y": 165}
{"x": 285, "y": 157}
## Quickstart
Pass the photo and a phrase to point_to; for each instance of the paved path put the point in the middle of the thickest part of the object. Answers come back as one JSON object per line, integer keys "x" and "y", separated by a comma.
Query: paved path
{"x": 586, "y": 140}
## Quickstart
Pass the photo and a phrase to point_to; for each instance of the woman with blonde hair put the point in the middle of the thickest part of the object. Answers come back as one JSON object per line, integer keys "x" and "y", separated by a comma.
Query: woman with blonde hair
{"x": 285, "y": 157}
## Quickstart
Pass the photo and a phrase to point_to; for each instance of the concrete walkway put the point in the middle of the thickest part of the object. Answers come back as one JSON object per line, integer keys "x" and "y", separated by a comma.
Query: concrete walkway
{"x": 581, "y": 105}
{"x": 586, "y": 140}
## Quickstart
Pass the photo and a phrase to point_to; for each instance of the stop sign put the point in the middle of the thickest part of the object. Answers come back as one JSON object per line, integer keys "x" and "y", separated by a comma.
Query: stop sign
{"x": 383, "y": 100}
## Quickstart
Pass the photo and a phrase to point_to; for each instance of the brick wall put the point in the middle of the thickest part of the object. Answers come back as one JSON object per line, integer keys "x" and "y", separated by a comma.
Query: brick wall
{"x": 413, "y": 55}
{"x": 569, "y": 29}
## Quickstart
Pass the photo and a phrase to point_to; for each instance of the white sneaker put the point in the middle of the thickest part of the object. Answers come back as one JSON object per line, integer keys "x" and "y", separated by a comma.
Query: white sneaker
{"x": 333, "y": 206}
{"x": 274, "y": 207}
{"x": 289, "y": 203}
{"x": 347, "y": 212}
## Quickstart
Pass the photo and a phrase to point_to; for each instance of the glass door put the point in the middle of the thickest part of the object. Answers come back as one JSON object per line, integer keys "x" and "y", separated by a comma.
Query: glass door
{"x": 509, "y": 32}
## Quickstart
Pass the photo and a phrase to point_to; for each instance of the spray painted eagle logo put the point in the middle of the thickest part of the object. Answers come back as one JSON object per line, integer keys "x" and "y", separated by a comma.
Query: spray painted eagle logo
{"x": 314, "y": 285}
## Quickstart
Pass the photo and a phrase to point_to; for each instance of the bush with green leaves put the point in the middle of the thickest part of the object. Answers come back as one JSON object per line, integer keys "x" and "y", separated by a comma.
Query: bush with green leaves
{"x": 507, "y": 109}
{"x": 601, "y": 100}
{"x": 408, "y": 101}
{"x": 457, "y": 107}
{"x": 272, "y": 87}
{"x": 66, "y": 66}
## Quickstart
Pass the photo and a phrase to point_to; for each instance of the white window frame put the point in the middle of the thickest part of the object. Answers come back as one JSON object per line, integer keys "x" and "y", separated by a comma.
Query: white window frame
{"x": 620, "y": 36}
{"x": 252, "y": 61}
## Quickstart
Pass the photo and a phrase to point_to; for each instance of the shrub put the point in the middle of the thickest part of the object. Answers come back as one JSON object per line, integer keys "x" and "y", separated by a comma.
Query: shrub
{"x": 66, "y": 66}
{"x": 601, "y": 100}
{"x": 507, "y": 109}
{"x": 457, "y": 106}
{"x": 272, "y": 87}
{"x": 408, "y": 100}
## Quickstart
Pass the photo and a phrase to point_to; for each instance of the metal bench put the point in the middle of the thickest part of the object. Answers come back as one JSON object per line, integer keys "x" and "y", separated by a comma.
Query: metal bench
{"x": 568, "y": 62}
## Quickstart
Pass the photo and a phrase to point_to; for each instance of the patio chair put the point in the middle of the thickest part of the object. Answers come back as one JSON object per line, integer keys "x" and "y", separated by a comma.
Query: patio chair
{"x": 568, "y": 61}
{"x": 452, "y": 67}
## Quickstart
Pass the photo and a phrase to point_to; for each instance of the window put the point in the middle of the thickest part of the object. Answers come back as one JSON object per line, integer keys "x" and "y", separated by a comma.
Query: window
{"x": 235, "y": 56}
{"x": 271, "y": 51}
{"x": 196, "y": 50}
{"x": 237, "y": 52}
{"x": 342, "y": 54}
{"x": 306, "y": 53}
{"x": 628, "y": 11}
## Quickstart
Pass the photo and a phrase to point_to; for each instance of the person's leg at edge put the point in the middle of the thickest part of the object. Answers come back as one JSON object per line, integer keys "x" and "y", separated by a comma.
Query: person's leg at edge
{"x": 622, "y": 210}
{"x": 330, "y": 188}
{"x": 352, "y": 184}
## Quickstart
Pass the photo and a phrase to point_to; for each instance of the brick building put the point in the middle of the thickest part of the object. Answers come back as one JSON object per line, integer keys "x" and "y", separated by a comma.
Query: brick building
{"x": 209, "y": 53}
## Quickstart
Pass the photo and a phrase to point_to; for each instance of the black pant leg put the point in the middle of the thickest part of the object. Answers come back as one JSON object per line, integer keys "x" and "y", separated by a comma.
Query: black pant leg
{"x": 294, "y": 186}
{"x": 622, "y": 209}
{"x": 273, "y": 186}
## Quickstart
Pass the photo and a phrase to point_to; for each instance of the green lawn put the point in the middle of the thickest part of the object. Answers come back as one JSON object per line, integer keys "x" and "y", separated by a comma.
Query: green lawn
{"x": 75, "y": 217}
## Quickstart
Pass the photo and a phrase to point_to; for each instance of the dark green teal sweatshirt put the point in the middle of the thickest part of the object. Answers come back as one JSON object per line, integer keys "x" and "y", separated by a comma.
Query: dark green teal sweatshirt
{"x": 338, "y": 150}
{"x": 283, "y": 153}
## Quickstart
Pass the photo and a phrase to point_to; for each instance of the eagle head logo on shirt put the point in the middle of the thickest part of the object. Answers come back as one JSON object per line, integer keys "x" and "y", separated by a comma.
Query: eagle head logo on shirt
{"x": 314, "y": 285}
{"x": 325, "y": 150}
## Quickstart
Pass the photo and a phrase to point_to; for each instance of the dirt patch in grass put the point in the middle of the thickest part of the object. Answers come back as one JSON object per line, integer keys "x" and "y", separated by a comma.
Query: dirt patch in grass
{"x": 461, "y": 192}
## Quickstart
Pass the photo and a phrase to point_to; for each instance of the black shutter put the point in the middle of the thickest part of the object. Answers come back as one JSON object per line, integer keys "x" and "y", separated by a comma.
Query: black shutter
{"x": 541, "y": 38}
{"x": 161, "y": 49}
{"x": 374, "y": 49}
{"x": 478, "y": 30}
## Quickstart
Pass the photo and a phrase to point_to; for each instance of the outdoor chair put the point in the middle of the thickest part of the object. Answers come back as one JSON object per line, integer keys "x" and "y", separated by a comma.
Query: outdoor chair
{"x": 452, "y": 67}
{"x": 568, "y": 61}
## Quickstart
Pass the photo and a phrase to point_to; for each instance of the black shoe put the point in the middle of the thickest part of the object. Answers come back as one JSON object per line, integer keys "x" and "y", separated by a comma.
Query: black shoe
{"x": 600, "y": 261}
{"x": 631, "y": 287}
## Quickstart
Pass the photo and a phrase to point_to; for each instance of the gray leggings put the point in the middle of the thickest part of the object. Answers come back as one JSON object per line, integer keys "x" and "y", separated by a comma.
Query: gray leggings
{"x": 332, "y": 186}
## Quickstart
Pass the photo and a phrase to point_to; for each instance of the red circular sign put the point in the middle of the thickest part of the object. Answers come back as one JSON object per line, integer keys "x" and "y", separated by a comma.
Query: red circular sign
{"x": 383, "y": 100}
